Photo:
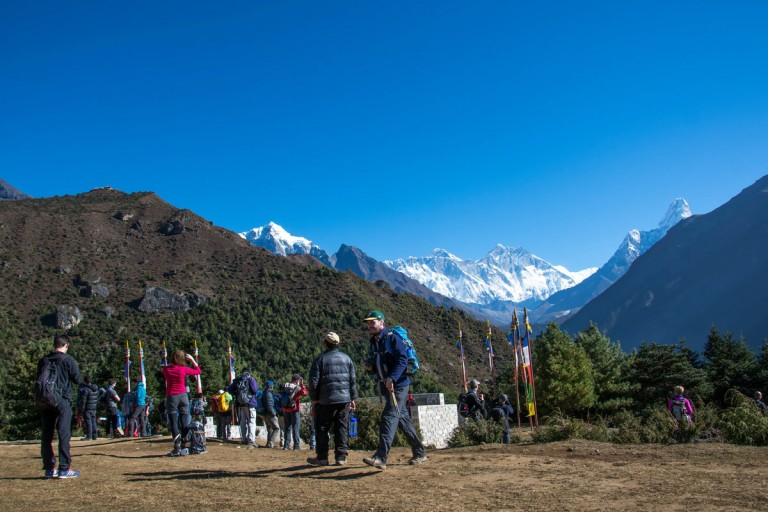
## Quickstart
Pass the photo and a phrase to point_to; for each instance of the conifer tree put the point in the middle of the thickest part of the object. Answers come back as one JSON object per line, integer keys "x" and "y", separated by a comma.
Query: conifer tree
{"x": 730, "y": 364}
{"x": 656, "y": 369}
{"x": 563, "y": 374}
{"x": 609, "y": 370}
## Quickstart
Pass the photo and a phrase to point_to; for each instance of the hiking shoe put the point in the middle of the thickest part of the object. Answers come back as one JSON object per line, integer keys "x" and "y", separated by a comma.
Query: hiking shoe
{"x": 375, "y": 462}
{"x": 415, "y": 461}
{"x": 68, "y": 473}
{"x": 51, "y": 473}
{"x": 341, "y": 461}
{"x": 178, "y": 453}
{"x": 314, "y": 461}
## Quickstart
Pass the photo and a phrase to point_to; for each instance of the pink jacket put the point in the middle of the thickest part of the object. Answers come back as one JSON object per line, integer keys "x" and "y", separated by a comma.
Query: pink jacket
{"x": 175, "y": 376}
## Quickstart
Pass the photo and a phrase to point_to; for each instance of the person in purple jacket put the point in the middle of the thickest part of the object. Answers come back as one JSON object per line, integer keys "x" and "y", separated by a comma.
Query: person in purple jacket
{"x": 389, "y": 361}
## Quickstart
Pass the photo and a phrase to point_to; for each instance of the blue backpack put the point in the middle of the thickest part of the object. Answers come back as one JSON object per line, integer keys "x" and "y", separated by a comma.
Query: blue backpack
{"x": 410, "y": 351}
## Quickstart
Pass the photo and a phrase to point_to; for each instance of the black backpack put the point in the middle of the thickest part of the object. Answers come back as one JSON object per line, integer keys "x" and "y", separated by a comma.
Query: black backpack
{"x": 465, "y": 411}
{"x": 244, "y": 394}
{"x": 47, "y": 391}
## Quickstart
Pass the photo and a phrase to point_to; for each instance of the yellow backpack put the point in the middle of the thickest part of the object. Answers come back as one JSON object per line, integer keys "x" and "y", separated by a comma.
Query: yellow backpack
{"x": 222, "y": 404}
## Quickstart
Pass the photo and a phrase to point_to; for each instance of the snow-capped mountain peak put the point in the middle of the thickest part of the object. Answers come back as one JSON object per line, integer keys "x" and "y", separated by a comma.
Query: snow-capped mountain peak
{"x": 278, "y": 241}
{"x": 504, "y": 274}
{"x": 677, "y": 211}
{"x": 442, "y": 253}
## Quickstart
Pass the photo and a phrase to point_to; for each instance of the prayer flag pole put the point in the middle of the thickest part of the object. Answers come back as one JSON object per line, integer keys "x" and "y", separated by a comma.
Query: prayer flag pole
{"x": 514, "y": 339}
{"x": 141, "y": 361}
{"x": 461, "y": 355}
{"x": 532, "y": 409}
{"x": 197, "y": 377}
{"x": 127, "y": 371}
{"x": 491, "y": 356}
{"x": 231, "y": 362}
{"x": 165, "y": 355}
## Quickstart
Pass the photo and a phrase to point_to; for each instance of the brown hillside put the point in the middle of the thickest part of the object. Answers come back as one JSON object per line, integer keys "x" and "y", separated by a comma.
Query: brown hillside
{"x": 54, "y": 249}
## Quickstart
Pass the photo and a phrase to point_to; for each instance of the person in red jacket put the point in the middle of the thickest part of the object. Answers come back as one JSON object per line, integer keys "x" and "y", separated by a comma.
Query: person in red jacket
{"x": 176, "y": 398}
{"x": 289, "y": 401}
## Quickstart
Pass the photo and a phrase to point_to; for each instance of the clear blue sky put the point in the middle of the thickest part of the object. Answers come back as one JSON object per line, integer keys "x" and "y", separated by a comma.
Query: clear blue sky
{"x": 395, "y": 126}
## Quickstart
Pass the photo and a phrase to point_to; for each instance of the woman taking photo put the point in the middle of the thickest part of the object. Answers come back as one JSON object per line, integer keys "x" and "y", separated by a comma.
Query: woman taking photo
{"x": 176, "y": 398}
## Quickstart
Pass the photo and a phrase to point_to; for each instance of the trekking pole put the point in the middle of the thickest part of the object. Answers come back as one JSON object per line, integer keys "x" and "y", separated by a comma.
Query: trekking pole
{"x": 394, "y": 402}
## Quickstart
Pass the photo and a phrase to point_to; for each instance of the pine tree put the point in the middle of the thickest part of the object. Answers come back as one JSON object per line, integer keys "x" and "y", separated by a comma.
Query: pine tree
{"x": 563, "y": 374}
{"x": 657, "y": 369}
{"x": 609, "y": 370}
{"x": 730, "y": 364}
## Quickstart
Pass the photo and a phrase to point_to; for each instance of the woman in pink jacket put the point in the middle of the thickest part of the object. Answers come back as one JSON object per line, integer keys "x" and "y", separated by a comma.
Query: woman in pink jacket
{"x": 176, "y": 398}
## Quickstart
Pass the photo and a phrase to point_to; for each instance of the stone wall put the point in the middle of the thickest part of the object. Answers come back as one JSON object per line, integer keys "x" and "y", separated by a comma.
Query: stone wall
{"x": 436, "y": 420}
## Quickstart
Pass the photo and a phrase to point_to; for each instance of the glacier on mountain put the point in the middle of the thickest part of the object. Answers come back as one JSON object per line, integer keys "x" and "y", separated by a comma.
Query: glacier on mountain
{"x": 504, "y": 274}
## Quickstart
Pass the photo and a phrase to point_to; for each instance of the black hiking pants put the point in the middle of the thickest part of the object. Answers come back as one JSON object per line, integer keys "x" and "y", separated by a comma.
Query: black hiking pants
{"x": 332, "y": 417}
{"x": 60, "y": 420}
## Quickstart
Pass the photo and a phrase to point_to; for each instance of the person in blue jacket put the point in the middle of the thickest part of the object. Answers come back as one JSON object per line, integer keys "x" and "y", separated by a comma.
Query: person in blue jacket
{"x": 389, "y": 360}
{"x": 138, "y": 420}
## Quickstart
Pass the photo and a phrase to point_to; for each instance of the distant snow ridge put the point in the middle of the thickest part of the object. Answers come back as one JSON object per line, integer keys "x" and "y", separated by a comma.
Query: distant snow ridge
{"x": 505, "y": 273}
{"x": 278, "y": 241}
{"x": 637, "y": 242}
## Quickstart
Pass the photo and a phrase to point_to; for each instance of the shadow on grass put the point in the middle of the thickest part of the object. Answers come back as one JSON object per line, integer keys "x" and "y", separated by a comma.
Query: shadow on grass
{"x": 113, "y": 456}
{"x": 292, "y": 472}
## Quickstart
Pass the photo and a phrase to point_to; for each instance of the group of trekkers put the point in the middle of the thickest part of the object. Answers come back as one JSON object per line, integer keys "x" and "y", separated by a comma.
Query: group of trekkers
{"x": 124, "y": 417}
{"x": 331, "y": 387}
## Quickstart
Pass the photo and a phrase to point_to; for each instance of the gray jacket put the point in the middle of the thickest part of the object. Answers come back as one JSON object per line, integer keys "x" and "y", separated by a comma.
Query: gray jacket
{"x": 332, "y": 378}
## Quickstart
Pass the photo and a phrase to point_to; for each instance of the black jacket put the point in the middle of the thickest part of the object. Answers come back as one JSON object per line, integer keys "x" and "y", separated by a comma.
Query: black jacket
{"x": 332, "y": 378}
{"x": 69, "y": 374}
{"x": 88, "y": 398}
{"x": 476, "y": 406}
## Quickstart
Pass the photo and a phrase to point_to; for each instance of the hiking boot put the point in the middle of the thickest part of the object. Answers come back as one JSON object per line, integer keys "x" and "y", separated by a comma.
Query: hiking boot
{"x": 178, "y": 453}
{"x": 341, "y": 461}
{"x": 375, "y": 462}
{"x": 68, "y": 473}
{"x": 51, "y": 473}
{"x": 415, "y": 461}
{"x": 314, "y": 461}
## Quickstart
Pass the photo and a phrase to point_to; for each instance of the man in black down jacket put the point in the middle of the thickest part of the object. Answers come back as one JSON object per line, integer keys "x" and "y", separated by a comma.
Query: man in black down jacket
{"x": 87, "y": 400}
{"x": 333, "y": 392}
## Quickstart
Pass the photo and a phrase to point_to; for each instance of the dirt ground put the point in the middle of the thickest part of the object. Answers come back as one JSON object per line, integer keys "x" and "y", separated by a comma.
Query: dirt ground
{"x": 128, "y": 474}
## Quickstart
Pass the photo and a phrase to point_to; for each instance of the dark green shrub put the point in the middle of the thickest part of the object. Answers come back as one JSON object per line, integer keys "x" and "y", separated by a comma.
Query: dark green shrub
{"x": 561, "y": 428}
{"x": 473, "y": 432}
{"x": 743, "y": 423}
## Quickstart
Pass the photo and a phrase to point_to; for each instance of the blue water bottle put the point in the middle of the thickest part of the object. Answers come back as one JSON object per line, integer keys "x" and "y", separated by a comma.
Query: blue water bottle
{"x": 352, "y": 426}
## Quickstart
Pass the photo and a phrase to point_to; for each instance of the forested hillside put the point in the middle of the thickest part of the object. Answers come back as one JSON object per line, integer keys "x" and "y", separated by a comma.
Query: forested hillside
{"x": 106, "y": 253}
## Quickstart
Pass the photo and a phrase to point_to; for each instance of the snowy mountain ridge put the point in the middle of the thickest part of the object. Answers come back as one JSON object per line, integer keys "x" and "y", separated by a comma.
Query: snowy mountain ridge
{"x": 505, "y": 273}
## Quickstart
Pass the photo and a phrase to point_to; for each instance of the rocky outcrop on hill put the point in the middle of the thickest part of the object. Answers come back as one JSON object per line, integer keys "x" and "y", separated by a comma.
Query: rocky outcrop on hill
{"x": 158, "y": 300}
{"x": 68, "y": 316}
